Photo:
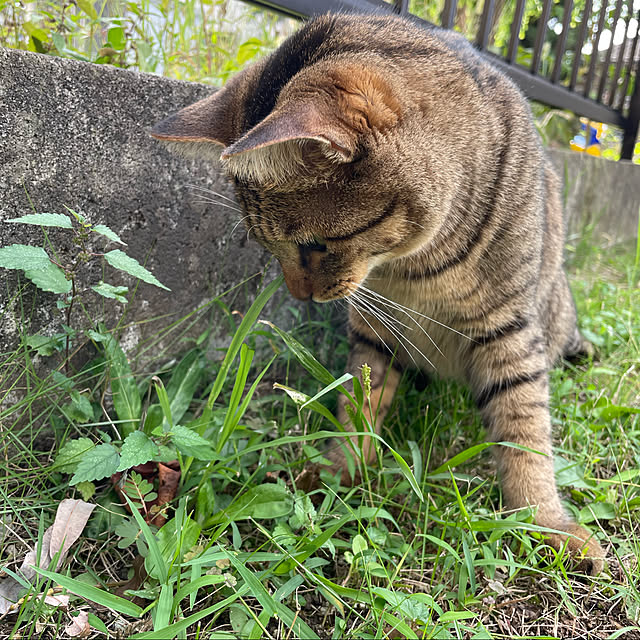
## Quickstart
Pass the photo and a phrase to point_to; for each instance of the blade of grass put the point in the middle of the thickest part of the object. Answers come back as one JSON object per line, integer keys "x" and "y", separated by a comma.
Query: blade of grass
{"x": 93, "y": 594}
{"x": 243, "y": 330}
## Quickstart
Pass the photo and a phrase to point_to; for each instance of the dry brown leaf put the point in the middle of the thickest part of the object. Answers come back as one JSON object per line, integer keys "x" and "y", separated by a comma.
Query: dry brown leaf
{"x": 57, "y": 600}
{"x": 71, "y": 518}
{"x": 79, "y": 626}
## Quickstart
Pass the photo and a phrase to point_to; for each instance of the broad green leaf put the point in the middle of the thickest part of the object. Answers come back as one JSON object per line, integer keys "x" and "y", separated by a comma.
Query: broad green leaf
{"x": 137, "y": 449}
{"x": 87, "y": 490}
{"x": 597, "y": 511}
{"x": 93, "y": 594}
{"x": 71, "y": 454}
{"x": 120, "y": 260}
{"x": 83, "y": 411}
{"x": 103, "y": 230}
{"x": 191, "y": 444}
{"x": 52, "y": 278}
{"x": 260, "y": 502}
{"x": 97, "y": 463}
{"x": 241, "y": 333}
{"x": 117, "y": 38}
{"x": 46, "y": 345}
{"x": 45, "y": 220}
{"x": 23, "y": 256}
{"x": 88, "y": 8}
{"x": 110, "y": 291}
{"x": 185, "y": 378}
{"x": 403, "y": 603}
{"x": 126, "y": 396}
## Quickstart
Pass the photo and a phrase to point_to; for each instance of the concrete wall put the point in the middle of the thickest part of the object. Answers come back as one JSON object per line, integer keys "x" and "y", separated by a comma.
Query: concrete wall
{"x": 75, "y": 134}
{"x": 599, "y": 193}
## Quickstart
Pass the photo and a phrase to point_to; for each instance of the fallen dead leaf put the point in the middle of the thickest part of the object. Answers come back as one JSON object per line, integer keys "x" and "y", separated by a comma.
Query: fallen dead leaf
{"x": 71, "y": 518}
{"x": 79, "y": 626}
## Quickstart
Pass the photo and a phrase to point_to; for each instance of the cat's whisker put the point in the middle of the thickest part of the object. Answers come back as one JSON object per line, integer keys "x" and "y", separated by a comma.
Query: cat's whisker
{"x": 408, "y": 310}
{"x": 358, "y": 296}
{"x": 394, "y": 332}
{"x": 355, "y": 307}
{"x": 237, "y": 224}
{"x": 418, "y": 325}
{"x": 201, "y": 198}
{"x": 197, "y": 187}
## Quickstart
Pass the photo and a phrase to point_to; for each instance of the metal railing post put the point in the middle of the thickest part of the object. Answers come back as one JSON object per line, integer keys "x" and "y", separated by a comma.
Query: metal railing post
{"x": 633, "y": 120}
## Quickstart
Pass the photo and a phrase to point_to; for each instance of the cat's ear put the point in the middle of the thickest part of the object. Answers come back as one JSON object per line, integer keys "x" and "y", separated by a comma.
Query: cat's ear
{"x": 200, "y": 127}
{"x": 321, "y": 125}
{"x": 297, "y": 122}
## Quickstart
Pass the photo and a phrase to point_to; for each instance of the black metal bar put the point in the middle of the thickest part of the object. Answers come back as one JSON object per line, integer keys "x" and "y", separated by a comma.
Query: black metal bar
{"x": 533, "y": 86}
{"x": 401, "y": 6}
{"x": 540, "y": 36}
{"x": 518, "y": 14}
{"x": 448, "y": 15}
{"x": 620, "y": 106}
{"x": 586, "y": 14}
{"x": 540, "y": 89}
{"x": 482, "y": 39}
{"x": 633, "y": 119}
{"x": 562, "y": 40}
{"x": 607, "y": 59}
{"x": 594, "y": 52}
{"x": 307, "y": 8}
{"x": 613, "y": 87}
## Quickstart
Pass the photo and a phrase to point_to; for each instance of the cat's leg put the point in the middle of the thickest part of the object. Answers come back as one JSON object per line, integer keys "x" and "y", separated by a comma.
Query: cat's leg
{"x": 366, "y": 348}
{"x": 508, "y": 370}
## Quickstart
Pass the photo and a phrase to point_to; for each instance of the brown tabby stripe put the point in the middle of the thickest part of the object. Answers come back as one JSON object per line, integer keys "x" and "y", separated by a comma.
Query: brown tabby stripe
{"x": 388, "y": 211}
{"x": 517, "y": 324}
{"x": 497, "y": 388}
{"x": 356, "y": 336}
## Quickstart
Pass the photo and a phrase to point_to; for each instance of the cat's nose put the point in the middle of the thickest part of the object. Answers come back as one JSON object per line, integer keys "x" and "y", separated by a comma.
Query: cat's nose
{"x": 299, "y": 283}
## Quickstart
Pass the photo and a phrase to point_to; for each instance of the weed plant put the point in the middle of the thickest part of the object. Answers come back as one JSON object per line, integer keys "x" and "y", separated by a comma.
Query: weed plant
{"x": 260, "y": 539}
{"x": 202, "y": 40}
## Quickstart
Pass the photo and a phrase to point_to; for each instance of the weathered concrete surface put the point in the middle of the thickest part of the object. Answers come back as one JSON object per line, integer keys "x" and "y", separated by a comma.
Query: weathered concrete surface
{"x": 599, "y": 193}
{"x": 75, "y": 134}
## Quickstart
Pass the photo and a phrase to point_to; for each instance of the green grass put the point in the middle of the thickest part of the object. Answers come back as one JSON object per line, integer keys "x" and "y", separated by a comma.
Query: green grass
{"x": 199, "y": 40}
{"x": 255, "y": 546}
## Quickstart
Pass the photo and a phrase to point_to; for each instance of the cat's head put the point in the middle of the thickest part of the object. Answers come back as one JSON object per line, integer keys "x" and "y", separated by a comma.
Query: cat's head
{"x": 318, "y": 175}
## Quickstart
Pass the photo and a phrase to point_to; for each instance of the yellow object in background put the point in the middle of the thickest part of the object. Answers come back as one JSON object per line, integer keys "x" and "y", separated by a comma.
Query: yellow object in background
{"x": 588, "y": 140}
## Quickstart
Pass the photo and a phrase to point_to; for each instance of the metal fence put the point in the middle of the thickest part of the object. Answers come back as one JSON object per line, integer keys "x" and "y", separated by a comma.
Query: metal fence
{"x": 569, "y": 66}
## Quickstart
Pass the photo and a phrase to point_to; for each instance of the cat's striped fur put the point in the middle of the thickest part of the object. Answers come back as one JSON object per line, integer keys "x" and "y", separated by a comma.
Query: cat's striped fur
{"x": 393, "y": 166}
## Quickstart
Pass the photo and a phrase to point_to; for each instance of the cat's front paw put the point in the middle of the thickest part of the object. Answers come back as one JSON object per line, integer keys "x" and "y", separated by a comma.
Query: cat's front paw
{"x": 582, "y": 546}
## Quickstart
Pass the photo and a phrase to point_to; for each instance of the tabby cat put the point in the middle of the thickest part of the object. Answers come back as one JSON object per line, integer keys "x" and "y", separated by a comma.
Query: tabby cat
{"x": 394, "y": 167}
